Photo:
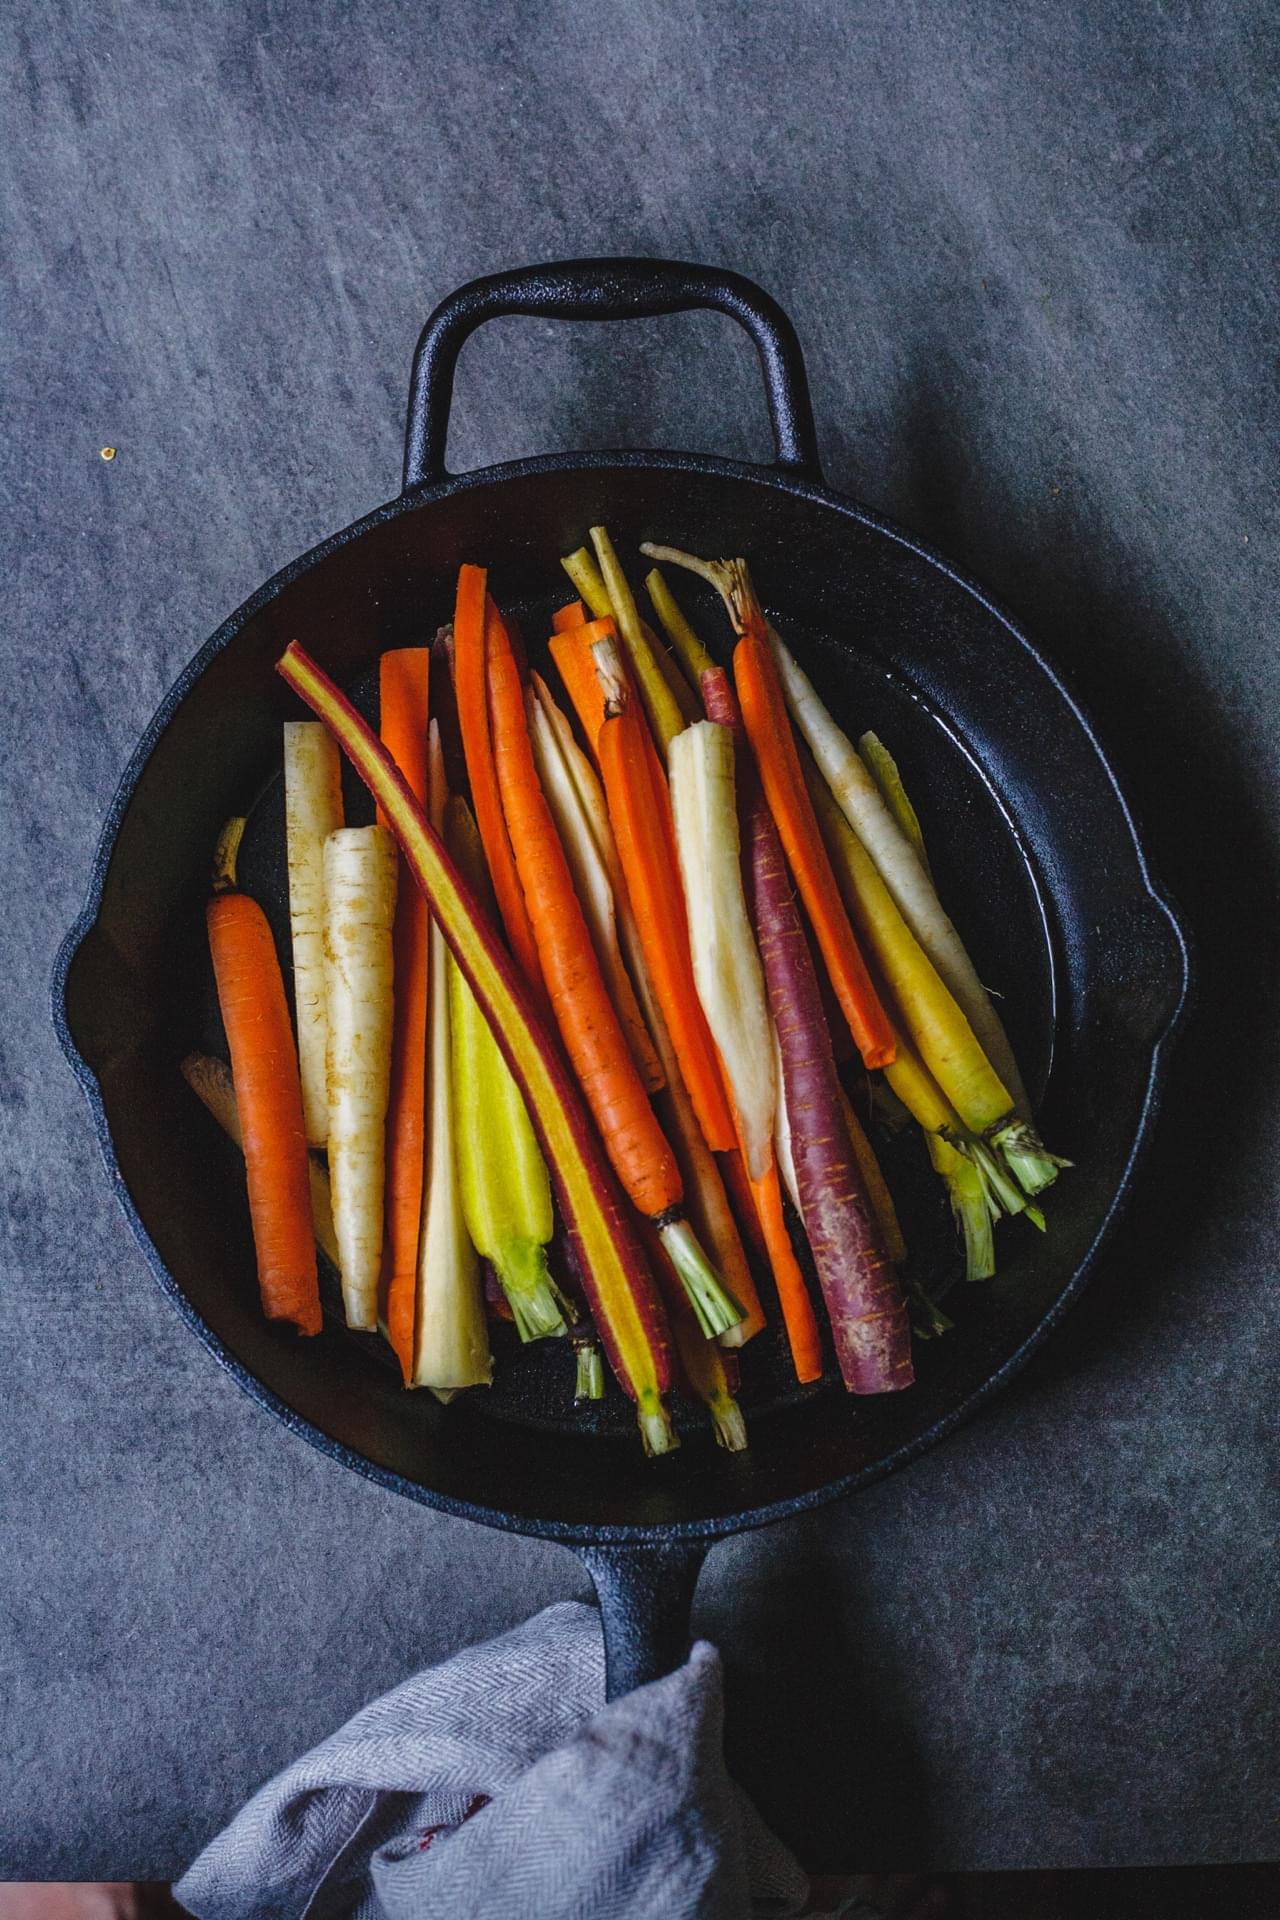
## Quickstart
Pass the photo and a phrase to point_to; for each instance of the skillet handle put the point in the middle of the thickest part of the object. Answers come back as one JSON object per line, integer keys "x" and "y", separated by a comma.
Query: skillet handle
{"x": 646, "y": 1598}
{"x": 607, "y": 290}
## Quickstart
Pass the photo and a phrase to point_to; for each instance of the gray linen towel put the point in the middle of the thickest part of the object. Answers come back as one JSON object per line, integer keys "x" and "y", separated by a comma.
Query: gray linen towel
{"x": 500, "y": 1784}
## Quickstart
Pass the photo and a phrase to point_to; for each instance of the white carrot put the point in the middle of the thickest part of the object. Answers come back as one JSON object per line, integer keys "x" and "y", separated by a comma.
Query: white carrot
{"x": 359, "y": 908}
{"x": 900, "y": 866}
{"x": 726, "y": 964}
{"x": 451, "y": 1336}
{"x": 312, "y": 811}
{"x": 573, "y": 794}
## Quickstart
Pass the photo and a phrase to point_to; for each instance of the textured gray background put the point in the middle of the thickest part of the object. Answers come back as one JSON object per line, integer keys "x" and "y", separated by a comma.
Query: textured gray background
{"x": 1029, "y": 252}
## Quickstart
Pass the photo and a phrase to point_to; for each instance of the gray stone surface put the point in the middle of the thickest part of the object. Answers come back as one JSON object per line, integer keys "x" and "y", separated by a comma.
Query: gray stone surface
{"x": 1031, "y": 254}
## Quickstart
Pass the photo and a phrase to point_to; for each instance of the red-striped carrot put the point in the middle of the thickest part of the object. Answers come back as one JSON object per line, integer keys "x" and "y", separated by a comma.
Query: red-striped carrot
{"x": 588, "y": 1023}
{"x": 470, "y": 625}
{"x": 264, "y": 1068}
{"x": 403, "y": 679}
{"x": 764, "y": 713}
{"x": 640, "y": 812}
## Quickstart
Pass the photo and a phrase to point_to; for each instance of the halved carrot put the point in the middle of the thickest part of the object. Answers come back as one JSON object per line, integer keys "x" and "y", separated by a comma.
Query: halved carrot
{"x": 640, "y": 812}
{"x": 470, "y": 620}
{"x": 403, "y": 681}
{"x": 264, "y": 1068}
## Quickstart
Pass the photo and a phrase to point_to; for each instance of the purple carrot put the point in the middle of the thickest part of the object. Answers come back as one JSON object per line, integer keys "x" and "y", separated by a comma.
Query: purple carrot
{"x": 859, "y": 1287}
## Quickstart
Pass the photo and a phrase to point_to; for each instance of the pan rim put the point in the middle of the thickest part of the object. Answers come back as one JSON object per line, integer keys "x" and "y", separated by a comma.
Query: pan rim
{"x": 817, "y": 493}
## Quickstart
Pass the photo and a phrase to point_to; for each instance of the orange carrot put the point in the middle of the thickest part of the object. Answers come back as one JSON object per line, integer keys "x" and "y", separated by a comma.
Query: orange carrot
{"x": 793, "y": 1296}
{"x": 470, "y": 626}
{"x": 572, "y": 615}
{"x": 640, "y": 811}
{"x": 590, "y": 1028}
{"x": 264, "y": 1069}
{"x": 589, "y": 1025}
{"x": 571, "y": 651}
{"x": 403, "y": 679}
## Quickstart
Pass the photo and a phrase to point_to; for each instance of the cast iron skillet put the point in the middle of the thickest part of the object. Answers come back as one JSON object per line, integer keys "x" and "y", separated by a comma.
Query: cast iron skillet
{"x": 1025, "y": 820}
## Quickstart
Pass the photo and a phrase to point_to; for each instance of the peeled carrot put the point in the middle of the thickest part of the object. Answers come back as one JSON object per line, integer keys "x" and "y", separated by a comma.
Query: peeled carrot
{"x": 589, "y": 1025}
{"x": 571, "y": 651}
{"x": 403, "y": 679}
{"x": 764, "y": 712}
{"x": 359, "y": 913}
{"x": 470, "y": 625}
{"x": 574, "y": 614}
{"x": 264, "y": 1067}
{"x": 640, "y": 813}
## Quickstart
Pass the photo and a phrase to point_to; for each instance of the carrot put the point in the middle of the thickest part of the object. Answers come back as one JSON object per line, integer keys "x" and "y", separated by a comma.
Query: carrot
{"x": 403, "y": 680}
{"x": 614, "y": 1273}
{"x": 726, "y": 965}
{"x": 210, "y": 1080}
{"x": 450, "y": 1338}
{"x": 689, "y": 650}
{"x": 312, "y": 809}
{"x": 571, "y": 651}
{"x": 764, "y": 713}
{"x": 669, "y": 701}
{"x": 264, "y": 1067}
{"x": 640, "y": 812}
{"x": 471, "y": 626}
{"x": 359, "y": 912}
{"x": 704, "y": 1178}
{"x": 572, "y": 615}
{"x": 577, "y": 805}
{"x": 864, "y": 1303}
{"x": 589, "y": 1026}
{"x": 798, "y": 1316}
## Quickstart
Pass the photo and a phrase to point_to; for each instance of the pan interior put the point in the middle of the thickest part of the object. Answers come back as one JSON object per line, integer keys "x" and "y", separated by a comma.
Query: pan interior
{"x": 894, "y": 645}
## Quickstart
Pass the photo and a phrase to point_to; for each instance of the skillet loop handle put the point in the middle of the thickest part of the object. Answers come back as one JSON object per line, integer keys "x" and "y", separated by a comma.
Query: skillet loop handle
{"x": 607, "y": 290}
{"x": 646, "y": 1598}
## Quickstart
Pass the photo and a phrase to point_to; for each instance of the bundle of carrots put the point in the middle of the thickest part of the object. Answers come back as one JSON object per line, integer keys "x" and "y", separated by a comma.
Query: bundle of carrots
{"x": 590, "y": 1014}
